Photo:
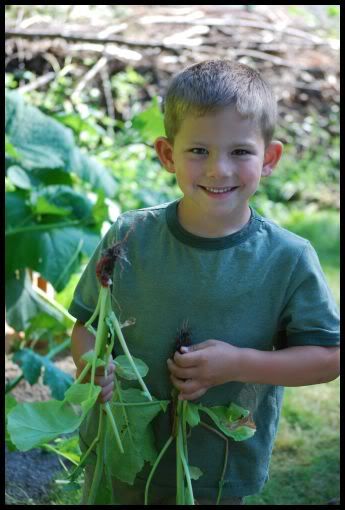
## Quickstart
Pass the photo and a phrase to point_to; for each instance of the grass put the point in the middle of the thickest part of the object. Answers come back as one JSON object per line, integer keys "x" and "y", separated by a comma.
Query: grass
{"x": 305, "y": 462}
{"x": 304, "y": 468}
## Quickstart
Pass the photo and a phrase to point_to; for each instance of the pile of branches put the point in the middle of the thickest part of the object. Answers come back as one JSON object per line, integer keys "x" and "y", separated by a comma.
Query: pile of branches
{"x": 301, "y": 61}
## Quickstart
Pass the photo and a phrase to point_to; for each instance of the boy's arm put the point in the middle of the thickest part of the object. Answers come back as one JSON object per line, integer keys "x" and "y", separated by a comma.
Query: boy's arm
{"x": 214, "y": 362}
{"x": 82, "y": 341}
{"x": 293, "y": 366}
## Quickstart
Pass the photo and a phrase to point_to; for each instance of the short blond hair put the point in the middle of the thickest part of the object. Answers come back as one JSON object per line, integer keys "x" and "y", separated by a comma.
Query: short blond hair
{"x": 211, "y": 85}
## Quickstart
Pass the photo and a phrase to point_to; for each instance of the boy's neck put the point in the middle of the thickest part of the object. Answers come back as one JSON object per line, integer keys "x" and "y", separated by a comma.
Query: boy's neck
{"x": 207, "y": 226}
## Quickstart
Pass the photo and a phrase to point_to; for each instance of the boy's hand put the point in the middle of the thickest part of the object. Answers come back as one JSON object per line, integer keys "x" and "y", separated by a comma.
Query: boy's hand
{"x": 202, "y": 366}
{"x": 105, "y": 382}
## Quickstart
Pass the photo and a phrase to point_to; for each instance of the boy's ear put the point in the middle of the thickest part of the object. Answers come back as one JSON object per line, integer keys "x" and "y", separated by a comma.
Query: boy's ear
{"x": 272, "y": 156}
{"x": 164, "y": 150}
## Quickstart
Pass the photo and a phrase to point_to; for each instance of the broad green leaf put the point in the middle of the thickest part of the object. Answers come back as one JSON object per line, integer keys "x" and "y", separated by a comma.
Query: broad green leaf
{"x": 239, "y": 429}
{"x": 125, "y": 370}
{"x": 30, "y": 363}
{"x": 10, "y": 403}
{"x": 192, "y": 414}
{"x": 44, "y": 325}
{"x": 89, "y": 356}
{"x": 10, "y": 149}
{"x": 66, "y": 447}
{"x": 75, "y": 122}
{"x": 137, "y": 438}
{"x": 150, "y": 122}
{"x": 55, "y": 253}
{"x": 33, "y": 424}
{"x": 195, "y": 472}
{"x": 19, "y": 177}
{"x": 44, "y": 144}
{"x": 80, "y": 393}
{"x": 42, "y": 206}
{"x": 57, "y": 380}
{"x": 23, "y": 303}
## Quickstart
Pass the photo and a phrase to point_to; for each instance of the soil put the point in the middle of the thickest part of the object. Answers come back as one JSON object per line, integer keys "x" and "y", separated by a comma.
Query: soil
{"x": 29, "y": 476}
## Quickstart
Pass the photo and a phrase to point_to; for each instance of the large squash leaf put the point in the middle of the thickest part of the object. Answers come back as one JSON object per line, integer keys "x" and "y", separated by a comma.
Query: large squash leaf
{"x": 45, "y": 145}
{"x": 52, "y": 248}
{"x": 35, "y": 423}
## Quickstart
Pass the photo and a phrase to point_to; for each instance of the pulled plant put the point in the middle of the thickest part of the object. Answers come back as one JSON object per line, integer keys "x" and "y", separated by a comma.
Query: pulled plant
{"x": 233, "y": 421}
{"x": 34, "y": 424}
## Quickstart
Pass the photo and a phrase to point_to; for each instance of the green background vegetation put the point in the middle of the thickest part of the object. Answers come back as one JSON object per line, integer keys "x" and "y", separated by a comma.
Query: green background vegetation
{"x": 301, "y": 195}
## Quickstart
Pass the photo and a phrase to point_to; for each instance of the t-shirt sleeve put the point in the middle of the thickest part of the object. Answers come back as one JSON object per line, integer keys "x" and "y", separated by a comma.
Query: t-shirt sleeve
{"x": 86, "y": 293}
{"x": 310, "y": 315}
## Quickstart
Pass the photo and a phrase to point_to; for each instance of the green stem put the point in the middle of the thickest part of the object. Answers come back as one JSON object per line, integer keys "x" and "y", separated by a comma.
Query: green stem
{"x": 184, "y": 427}
{"x": 102, "y": 329}
{"x": 128, "y": 354}
{"x": 97, "y": 475}
{"x": 113, "y": 426}
{"x": 95, "y": 313}
{"x": 83, "y": 373}
{"x": 138, "y": 403}
{"x": 180, "y": 492}
{"x": 185, "y": 466}
{"x": 58, "y": 306}
{"x": 58, "y": 452}
{"x": 163, "y": 450}
{"x": 83, "y": 459}
{"x": 221, "y": 481}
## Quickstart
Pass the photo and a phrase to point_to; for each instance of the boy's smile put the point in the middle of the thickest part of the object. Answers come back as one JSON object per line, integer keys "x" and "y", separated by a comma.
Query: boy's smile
{"x": 218, "y": 160}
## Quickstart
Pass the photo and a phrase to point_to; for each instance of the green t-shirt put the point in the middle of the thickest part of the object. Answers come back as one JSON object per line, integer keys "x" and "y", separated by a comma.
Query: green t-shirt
{"x": 261, "y": 287}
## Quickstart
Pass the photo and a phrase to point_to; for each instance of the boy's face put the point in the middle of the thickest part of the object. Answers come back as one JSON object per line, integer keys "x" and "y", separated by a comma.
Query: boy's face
{"x": 218, "y": 160}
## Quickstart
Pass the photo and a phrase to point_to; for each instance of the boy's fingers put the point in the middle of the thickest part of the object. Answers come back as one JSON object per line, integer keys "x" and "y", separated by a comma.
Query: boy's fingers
{"x": 181, "y": 373}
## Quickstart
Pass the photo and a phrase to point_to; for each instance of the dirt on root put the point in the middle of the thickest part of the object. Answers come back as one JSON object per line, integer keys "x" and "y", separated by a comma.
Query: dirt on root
{"x": 29, "y": 476}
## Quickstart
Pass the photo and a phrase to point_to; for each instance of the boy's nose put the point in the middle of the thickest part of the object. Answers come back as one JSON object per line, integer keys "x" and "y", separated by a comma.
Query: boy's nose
{"x": 220, "y": 167}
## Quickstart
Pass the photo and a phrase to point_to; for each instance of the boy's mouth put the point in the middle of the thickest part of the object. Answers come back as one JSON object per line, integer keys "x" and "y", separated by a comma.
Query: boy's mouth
{"x": 218, "y": 192}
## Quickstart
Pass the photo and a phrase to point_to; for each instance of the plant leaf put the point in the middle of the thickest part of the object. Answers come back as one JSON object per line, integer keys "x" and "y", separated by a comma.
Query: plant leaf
{"x": 30, "y": 363}
{"x": 57, "y": 380}
{"x": 89, "y": 356}
{"x": 192, "y": 414}
{"x": 233, "y": 421}
{"x": 33, "y": 424}
{"x": 150, "y": 122}
{"x": 18, "y": 177}
{"x": 125, "y": 370}
{"x": 137, "y": 439}
{"x": 195, "y": 472}
{"x": 10, "y": 403}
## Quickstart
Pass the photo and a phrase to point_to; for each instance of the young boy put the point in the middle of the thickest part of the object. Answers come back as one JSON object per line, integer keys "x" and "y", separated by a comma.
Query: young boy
{"x": 254, "y": 294}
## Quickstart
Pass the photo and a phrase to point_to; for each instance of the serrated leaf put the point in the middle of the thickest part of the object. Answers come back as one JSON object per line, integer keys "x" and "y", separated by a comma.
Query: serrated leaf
{"x": 125, "y": 370}
{"x": 137, "y": 438}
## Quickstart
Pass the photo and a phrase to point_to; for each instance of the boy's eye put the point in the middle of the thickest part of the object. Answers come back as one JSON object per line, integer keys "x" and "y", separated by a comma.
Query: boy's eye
{"x": 199, "y": 151}
{"x": 240, "y": 152}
